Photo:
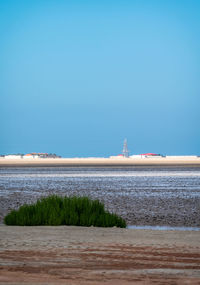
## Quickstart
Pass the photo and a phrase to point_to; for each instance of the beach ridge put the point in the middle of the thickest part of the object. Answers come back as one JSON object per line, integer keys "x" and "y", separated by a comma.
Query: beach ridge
{"x": 195, "y": 161}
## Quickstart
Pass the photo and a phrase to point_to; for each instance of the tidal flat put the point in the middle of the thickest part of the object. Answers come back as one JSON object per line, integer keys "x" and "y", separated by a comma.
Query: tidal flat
{"x": 143, "y": 196}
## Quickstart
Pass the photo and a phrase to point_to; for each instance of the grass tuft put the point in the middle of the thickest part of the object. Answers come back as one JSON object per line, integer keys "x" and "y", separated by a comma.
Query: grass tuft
{"x": 55, "y": 210}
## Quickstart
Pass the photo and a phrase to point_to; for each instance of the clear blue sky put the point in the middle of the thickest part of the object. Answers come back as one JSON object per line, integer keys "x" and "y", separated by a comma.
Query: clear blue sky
{"x": 77, "y": 77}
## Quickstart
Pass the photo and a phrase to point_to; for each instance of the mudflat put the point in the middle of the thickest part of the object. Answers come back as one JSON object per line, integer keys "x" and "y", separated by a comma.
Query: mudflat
{"x": 164, "y": 196}
{"x": 80, "y": 255}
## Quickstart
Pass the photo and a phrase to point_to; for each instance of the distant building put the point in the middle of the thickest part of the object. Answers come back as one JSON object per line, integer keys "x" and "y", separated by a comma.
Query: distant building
{"x": 13, "y": 156}
{"x": 136, "y": 156}
{"x": 181, "y": 156}
{"x": 30, "y": 156}
{"x": 49, "y": 155}
{"x": 147, "y": 155}
{"x": 40, "y": 155}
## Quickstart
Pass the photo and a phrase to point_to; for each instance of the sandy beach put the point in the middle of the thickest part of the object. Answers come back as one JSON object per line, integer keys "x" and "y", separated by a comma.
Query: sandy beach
{"x": 165, "y": 161}
{"x": 79, "y": 255}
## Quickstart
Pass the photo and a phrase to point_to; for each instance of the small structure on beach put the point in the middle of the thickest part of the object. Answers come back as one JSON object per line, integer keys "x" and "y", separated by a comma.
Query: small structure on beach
{"x": 32, "y": 155}
{"x": 147, "y": 155}
{"x": 13, "y": 156}
{"x": 40, "y": 155}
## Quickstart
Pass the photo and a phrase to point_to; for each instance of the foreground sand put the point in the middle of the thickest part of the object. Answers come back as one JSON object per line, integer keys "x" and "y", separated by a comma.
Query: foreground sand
{"x": 78, "y": 255}
{"x": 101, "y": 162}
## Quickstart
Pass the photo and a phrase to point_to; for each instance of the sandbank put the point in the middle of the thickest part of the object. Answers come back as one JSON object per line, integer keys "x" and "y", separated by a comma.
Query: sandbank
{"x": 74, "y": 162}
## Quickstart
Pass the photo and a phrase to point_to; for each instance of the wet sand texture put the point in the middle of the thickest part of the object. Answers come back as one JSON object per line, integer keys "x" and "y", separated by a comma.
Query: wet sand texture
{"x": 149, "y": 197}
{"x": 78, "y": 255}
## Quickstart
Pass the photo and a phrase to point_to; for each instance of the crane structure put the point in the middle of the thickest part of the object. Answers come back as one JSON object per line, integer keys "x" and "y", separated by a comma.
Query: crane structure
{"x": 125, "y": 151}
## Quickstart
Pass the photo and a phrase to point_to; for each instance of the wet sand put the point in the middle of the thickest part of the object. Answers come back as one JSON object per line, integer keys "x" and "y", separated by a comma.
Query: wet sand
{"x": 100, "y": 162}
{"x": 79, "y": 255}
{"x": 169, "y": 197}
{"x": 148, "y": 211}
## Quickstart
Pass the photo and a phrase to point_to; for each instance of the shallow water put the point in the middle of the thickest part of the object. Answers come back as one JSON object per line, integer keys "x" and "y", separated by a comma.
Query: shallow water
{"x": 163, "y": 228}
{"x": 142, "y": 195}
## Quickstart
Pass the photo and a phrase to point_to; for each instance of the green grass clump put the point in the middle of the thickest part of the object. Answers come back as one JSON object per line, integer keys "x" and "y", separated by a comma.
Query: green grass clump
{"x": 55, "y": 210}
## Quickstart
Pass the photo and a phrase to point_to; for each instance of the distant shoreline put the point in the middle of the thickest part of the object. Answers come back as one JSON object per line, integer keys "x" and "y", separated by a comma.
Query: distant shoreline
{"x": 99, "y": 162}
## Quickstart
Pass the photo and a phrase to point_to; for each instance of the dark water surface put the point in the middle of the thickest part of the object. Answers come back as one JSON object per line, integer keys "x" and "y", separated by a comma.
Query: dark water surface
{"x": 152, "y": 196}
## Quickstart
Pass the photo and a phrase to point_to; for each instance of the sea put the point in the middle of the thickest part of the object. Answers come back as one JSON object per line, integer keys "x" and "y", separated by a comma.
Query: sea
{"x": 146, "y": 197}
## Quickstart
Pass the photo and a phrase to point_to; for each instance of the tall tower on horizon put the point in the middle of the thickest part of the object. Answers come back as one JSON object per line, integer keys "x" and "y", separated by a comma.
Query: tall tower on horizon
{"x": 125, "y": 149}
